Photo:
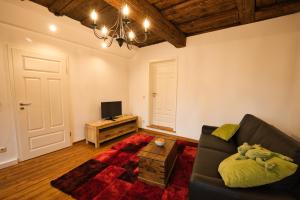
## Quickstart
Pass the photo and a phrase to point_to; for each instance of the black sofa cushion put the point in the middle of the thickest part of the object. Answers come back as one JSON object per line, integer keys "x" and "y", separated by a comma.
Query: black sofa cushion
{"x": 212, "y": 142}
{"x": 207, "y": 162}
{"x": 255, "y": 131}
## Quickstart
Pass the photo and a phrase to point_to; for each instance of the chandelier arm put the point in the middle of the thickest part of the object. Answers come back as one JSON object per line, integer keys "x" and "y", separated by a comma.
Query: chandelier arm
{"x": 111, "y": 38}
{"x": 128, "y": 44}
{"x": 115, "y": 25}
{"x": 136, "y": 39}
{"x": 128, "y": 27}
{"x": 110, "y": 41}
{"x": 97, "y": 35}
{"x": 115, "y": 32}
{"x": 122, "y": 30}
{"x": 126, "y": 39}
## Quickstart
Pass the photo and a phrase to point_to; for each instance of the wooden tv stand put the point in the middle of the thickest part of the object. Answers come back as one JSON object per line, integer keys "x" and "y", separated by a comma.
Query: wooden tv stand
{"x": 104, "y": 130}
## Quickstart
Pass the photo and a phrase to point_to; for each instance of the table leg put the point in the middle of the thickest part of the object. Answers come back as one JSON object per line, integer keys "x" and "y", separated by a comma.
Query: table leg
{"x": 97, "y": 138}
{"x": 86, "y": 134}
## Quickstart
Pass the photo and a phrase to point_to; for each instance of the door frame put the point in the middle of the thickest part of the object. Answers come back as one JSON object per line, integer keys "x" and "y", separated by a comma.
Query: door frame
{"x": 11, "y": 83}
{"x": 149, "y": 109}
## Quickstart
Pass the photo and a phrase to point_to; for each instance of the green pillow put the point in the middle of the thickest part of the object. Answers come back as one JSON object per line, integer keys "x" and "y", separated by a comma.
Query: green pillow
{"x": 248, "y": 173}
{"x": 226, "y": 131}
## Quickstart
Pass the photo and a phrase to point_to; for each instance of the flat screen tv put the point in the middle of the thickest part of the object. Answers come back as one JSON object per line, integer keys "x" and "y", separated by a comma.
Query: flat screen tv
{"x": 110, "y": 110}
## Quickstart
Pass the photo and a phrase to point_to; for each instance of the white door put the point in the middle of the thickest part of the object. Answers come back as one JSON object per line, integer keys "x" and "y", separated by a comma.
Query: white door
{"x": 41, "y": 101}
{"x": 163, "y": 89}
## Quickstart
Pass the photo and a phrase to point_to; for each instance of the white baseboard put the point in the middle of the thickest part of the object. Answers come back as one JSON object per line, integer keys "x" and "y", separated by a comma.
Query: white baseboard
{"x": 8, "y": 163}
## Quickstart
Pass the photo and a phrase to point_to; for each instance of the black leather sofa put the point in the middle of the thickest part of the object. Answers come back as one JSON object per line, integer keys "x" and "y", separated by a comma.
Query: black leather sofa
{"x": 207, "y": 184}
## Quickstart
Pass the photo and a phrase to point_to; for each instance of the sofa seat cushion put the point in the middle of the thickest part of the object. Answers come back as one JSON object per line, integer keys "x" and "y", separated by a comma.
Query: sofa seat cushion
{"x": 212, "y": 142}
{"x": 207, "y": 162}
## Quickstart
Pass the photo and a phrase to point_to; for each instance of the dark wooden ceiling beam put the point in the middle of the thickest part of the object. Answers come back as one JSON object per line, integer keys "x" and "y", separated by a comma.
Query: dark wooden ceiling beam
{"x": 71, "y": 6}
{"x": 277, "y": 10}
{"x": 165, "y": 4}
{"x": 246, "y": 10}
{"x": 264, "y": 3}
{"x": 57, "y": 5}
{"x": 159, "y": 25}
{"x": 211, "y": 23}
{"x": 194, "y": 9}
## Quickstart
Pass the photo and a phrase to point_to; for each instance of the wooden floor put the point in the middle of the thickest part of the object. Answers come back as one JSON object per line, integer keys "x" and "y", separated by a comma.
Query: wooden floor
{"x": 31, "y": 179}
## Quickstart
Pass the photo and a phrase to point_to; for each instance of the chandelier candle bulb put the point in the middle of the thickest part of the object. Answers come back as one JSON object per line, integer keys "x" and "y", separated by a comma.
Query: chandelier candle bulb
{"x": 94, "y": 16}
{"x": 146, "y": 24}
{"x": 131, "y": 35}
{"x": 104, "y": 45}
{"x": 104, "y": 31}
{"x": 125, "y": 10}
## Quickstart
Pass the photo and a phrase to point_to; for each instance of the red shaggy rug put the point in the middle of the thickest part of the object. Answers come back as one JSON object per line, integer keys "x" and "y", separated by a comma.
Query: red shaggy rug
{"x": 112, "y": 175}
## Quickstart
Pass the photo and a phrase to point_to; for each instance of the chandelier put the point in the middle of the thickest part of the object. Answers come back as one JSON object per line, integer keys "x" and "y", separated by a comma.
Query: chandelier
{"x": 121, "y": 30}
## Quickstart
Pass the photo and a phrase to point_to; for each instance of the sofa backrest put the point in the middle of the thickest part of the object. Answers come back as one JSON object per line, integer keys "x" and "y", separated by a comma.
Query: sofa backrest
{"x": 255, "y": 131}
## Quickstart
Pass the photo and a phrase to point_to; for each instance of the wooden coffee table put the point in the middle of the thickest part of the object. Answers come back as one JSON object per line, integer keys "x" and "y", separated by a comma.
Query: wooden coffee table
{"x": 156, "y": 163}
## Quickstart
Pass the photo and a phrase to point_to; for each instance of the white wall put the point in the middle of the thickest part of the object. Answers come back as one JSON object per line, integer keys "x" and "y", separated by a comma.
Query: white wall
{"x": 225, "y": 74}
{"x": 294, "y": 117}
{"x": 94, "y": 76}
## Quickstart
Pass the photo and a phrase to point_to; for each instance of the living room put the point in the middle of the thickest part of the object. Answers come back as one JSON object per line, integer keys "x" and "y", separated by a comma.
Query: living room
{"x": 215, "y": 68}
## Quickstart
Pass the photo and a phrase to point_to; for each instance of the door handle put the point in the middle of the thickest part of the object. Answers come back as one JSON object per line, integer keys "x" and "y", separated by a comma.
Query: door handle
{"x": 25, "y": 104}
{"x": 154, "y": 94}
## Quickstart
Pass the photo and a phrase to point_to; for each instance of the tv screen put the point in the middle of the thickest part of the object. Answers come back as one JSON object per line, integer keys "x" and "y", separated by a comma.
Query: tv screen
{"x": 110, "y": 110}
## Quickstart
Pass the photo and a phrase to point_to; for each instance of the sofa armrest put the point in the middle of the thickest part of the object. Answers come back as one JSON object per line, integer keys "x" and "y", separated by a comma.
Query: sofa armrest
{"x": 208, "y": 129}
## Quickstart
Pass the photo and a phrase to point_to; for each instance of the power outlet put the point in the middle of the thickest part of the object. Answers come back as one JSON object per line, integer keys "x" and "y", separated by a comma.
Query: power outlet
{"x": 3, "y": 149}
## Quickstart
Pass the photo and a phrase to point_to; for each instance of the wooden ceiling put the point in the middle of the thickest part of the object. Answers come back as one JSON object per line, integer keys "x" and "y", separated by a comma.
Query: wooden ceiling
{"x": 174, "y": 20}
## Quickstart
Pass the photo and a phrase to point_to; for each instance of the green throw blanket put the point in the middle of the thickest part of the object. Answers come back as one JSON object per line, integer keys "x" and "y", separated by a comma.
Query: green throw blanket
{"x": 260, "y": 155}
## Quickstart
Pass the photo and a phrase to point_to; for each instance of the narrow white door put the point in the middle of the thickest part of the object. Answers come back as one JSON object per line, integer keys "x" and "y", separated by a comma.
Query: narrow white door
{"x": 41, "y": 103}
{"x": 163, "y": 88}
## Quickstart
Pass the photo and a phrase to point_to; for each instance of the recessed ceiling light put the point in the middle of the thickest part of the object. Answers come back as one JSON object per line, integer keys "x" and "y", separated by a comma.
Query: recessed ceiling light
{"x": 28, "y": 39}
{"x": 52, "y": 28}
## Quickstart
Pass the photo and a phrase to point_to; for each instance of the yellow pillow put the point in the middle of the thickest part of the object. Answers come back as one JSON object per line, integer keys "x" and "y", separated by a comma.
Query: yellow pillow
{"x": 248, "y": 173}
{"x": 226, "y": 131}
